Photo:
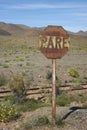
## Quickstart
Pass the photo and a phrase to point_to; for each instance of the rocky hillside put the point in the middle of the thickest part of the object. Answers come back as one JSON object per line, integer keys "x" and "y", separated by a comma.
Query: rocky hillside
{"x": 5, "y": 33}
{"x": 27, "y": 34}
{"x": 19, "y": 29}
{"x": 82, "y": 33}
{"x": 11, "y": 28}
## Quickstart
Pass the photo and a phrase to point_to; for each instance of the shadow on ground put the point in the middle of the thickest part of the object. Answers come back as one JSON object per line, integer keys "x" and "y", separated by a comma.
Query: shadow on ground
{"x": 73, "y": 109}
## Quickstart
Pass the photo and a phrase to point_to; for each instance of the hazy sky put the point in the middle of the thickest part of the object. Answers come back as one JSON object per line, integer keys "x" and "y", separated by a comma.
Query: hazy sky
{"x": 72, "y": 15}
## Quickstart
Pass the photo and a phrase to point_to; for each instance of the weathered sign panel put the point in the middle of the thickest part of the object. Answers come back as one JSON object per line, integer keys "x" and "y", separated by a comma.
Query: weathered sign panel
{"x": 54, "y": 42}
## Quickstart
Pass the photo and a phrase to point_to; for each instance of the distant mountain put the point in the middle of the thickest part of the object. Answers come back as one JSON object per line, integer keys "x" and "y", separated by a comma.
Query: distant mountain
{"x": 23, "y": 26}
{"x": 29, "y": 35}
{"x": 11, "y": 28}
{"x": 20, "y": 29}
{"x": 81, "y": 33}
{"x": 4, "y": 33}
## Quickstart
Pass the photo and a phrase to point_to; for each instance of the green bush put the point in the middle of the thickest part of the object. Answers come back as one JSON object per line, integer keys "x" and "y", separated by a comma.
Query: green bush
{"x": 2, "y": 80}
{"x": 40, "y": 121}
{"x": 37, "y": 121}
{"x": 58, "y": 81}
{"x": 83, "y": 79}
{"x": 76, "y": 83}
{"x": 73, "y": 73}
{"x": 29, "y": 105}
{"x": 29, "y": 79}
{"x": 62, "y": 100}
{"x": 78, "y": 98}
{"x": 49, "y": 75}
{"x": 4, "y": 55}
{"x": 25, "y": 126}
{"x": 9, "y": 98}
{"x": 18, "y": 88}
{"x": 59, "y": 121}
{"x": 7, "y": 112}
{"x": 6, "y": 65}
{"x": 84, "y": 106}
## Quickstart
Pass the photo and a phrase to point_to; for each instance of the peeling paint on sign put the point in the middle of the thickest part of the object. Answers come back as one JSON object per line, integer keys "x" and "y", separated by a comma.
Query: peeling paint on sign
{"x": 54, "y": 42}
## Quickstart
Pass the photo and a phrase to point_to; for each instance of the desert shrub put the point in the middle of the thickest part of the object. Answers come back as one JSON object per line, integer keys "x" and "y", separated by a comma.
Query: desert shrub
{"x": 27, "y": 56}
{"x": 49, "y": 75}
{"x": 2, "y": 80}
{"x": 85, "y": 106}
{"x": 83, "y": 79}
{"x": 18, "y": 88}
{"x": 19, "y": 59}
{"x": 5, "y": 65}
{"x": 4, "y": 55}
{"x": 59, "y": 121}
{"x": 36, "y": 121}
{"x": 29, "y": 79}
{"x": 76, "y": 83}
{"x": 28, "y": 64}
{"x": 58, "y": 81}
{"x": 73, "y": 73}
{"x": 9, "y": 98}
{"x": 62, "y": 100}
{"x": 32, "y": 49}
{"x": 40, "y": 120}
{"x": 25, "y": 126}
{"x": 20, "y": 64}
{"x": 79, "y": 98}
{"x": 7, "y": 112}
{"x": 0, "y": 64}
{"x": 30, "y": 105}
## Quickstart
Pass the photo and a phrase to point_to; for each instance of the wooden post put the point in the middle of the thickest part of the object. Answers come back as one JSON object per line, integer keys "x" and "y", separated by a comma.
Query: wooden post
{"x": 54, "y": 91}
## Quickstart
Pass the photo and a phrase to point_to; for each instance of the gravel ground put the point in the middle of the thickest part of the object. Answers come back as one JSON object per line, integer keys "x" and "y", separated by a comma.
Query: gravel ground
{"x": 75, "y": 119}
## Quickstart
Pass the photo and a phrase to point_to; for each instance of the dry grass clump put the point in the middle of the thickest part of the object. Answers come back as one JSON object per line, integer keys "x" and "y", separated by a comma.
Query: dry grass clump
{"x": 18, "y": 88}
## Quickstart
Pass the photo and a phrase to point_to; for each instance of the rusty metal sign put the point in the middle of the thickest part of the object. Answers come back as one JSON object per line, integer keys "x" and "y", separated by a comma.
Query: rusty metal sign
{"x": 54, "y": 42}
